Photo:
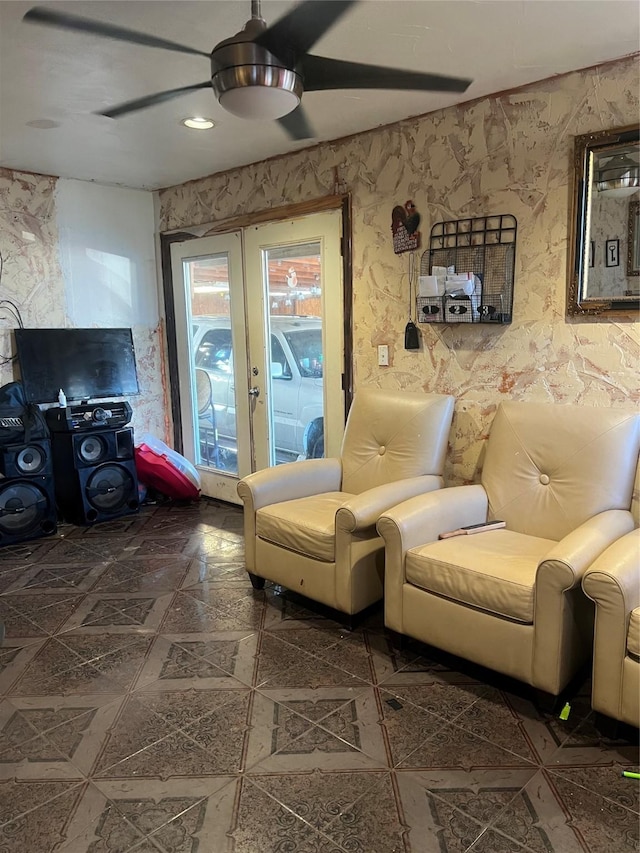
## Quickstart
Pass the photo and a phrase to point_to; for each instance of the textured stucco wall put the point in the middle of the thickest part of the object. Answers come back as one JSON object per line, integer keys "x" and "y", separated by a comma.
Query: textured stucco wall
{"x": 507, "y": 154}
{"x": 61, "y": 241}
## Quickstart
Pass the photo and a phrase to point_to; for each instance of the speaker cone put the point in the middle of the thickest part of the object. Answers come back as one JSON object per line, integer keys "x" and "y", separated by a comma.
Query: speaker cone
{"x": 110, "y": 488}
{"x": 91, "y": 449}
{"x": 30, "y": 460}
{"x": 22, "y": 506}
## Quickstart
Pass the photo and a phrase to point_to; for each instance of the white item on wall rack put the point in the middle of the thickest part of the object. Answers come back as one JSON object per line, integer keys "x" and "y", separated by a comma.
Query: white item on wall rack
{"x": 464, "y": 282}
{"x": 430, "y": 285}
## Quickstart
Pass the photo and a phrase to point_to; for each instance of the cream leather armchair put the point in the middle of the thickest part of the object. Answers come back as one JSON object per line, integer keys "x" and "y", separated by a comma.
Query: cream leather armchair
{"x": 311, "y": 526}
{"x": 613, "y": 582}
{"x": 561, "y": 477}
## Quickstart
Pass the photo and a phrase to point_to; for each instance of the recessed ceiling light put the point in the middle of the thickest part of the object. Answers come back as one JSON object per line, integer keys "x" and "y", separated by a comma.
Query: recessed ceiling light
{"x": 198, "y": 123}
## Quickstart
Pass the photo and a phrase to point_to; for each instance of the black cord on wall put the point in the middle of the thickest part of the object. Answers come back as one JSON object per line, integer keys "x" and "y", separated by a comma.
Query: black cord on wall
{"x": 13, "y": 311}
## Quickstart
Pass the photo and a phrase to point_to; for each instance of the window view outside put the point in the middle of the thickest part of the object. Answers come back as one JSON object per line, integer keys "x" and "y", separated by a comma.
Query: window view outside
{"x": 293, "y": 294}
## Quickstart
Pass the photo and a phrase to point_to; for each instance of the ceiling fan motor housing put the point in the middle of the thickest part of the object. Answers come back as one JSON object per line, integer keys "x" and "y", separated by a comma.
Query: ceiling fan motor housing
{"x": 251, "y": 82}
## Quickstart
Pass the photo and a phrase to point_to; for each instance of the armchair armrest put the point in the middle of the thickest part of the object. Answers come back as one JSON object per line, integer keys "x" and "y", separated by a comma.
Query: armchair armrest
{"x": 416, "y": 522}
{"x": 422, "y": 519}
{"x": 612, "y": 583}
{"x": 566, "y": 563}
{"x": 563, "y": 619}
{"x": 284, "y": 483}
{"x": 612, "y": 580}
{"x": 290, "y": 482}
{"x": 364, "y": 510}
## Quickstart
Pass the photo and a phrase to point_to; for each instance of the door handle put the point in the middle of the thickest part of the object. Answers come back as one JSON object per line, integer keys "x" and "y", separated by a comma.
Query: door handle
{"x": 254, "y": 392}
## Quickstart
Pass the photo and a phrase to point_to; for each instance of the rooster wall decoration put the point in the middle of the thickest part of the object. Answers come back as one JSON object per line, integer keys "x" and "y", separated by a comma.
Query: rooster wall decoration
{"x": 404, "y": 228}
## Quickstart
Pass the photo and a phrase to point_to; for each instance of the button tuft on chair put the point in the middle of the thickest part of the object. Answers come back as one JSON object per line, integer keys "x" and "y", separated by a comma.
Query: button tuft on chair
{"x": 382, "y": 450}
{"x": 545, "y": 479}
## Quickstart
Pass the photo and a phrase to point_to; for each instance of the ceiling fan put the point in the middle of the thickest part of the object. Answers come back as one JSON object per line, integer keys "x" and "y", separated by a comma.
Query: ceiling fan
{"x": 262, "y": 72}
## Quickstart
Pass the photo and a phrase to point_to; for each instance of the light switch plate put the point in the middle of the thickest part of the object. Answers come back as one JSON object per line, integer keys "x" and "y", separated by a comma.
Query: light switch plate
{"x": 383, "y": 355}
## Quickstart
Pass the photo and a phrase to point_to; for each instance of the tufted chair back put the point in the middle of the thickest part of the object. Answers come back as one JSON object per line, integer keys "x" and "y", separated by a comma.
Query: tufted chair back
{"x": 549, "y": 468}
{"x": 394, "y": 435}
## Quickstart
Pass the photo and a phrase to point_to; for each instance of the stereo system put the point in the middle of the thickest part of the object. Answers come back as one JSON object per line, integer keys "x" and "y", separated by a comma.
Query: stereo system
{"x": 87, "y": 416}
{"x": 95, "y": 474}
{"x": 85, "y": 473}
{"x": 27, "y": 495}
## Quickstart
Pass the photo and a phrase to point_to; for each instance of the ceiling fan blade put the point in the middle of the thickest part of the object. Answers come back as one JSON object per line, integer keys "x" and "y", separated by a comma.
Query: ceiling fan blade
{"x": 293, "y": 34}
{"x": 62, "y": 21}
{"x": 296, "y": 124}
{"x": 151, "y": 100}
{"x": 320, "y": 73}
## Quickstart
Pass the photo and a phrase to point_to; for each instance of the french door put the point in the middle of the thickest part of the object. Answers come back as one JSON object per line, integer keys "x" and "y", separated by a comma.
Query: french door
{"x": 259, "y": 335}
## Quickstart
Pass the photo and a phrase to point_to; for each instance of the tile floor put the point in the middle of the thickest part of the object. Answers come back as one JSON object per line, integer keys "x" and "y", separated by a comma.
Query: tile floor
{"x": 152, "y": 701}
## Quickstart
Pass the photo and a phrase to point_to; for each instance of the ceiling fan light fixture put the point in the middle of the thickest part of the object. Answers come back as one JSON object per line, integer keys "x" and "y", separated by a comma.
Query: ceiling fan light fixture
{"x": 258, "y": 91}
{"x": 618, "y": 176}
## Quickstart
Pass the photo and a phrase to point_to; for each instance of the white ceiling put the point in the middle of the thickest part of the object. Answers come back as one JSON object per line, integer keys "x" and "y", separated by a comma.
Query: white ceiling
{"x": 62, "y": 77}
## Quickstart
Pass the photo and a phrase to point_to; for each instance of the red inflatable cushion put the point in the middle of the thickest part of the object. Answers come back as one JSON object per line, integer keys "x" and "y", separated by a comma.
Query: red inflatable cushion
{"x": 159, "y": 472}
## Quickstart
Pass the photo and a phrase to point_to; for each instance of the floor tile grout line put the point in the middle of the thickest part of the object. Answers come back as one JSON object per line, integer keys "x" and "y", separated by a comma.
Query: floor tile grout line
{"x": 18, "y": 711}
{"x": 490, "y": 824}
{"x": 408, "y": 701}
{"x": 519, "y": 848}
{"x": 48, "y": 642}
{"x": 223, "y": 608}
{"x": 406, "y": 829}
{"x": 6, "y": 599}
{"x": 131, "y": 642}
{"x": 88, "y": 692}
{"x": 559, "y": 801}
{"x": 299, "y": 737}
{"x": 444, "y": 720}
{"x": 385, "y": 734}
{"x": 304, "y": 655}
{"x": 73, "y": 784}
{"x": 246, "y": 780}
{"x": 97, "y": 774}
{"x": 277, "y": 633}
{"x": 81, "y": 713}
{"x": 553, "y": 772}
{"x": 62, "y": 759}
{"x": 386, "y": 773}
{"x": 122, "y": 813}
{"x": 202, "y": 658}
{"x": 231, "y": 691}
{"x": 519, "y": 723}
{"x": 480, "y": 737}
{"x": 317, "y": 832}
{"x": 93, "y": 661}
{"x": 320, "y": 720}
{"x": 91, "y": 784}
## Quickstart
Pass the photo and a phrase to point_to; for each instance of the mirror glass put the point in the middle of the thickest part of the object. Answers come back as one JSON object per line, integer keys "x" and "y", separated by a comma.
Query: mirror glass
{"x": 605, "y": 243}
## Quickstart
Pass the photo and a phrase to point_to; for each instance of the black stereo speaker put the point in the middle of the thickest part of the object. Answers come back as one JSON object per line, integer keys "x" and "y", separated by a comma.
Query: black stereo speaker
{"x": 27, "y": 499}
{"x": 95, "y": 474}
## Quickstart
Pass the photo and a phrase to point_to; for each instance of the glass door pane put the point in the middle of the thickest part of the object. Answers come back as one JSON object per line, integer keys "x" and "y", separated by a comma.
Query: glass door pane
{"x": 293, "y": 287}
{"x": 294, "y": 271}
{"x": 212, "y": 362}
{"x": 211, "y": 342}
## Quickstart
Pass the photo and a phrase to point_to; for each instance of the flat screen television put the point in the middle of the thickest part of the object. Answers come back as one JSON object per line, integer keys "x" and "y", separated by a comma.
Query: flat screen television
{"x": 85, "y": 363}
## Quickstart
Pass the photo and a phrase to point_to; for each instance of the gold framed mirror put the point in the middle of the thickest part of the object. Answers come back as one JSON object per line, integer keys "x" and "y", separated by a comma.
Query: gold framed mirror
{"x": 633, "y": 239}
{"x": 604, "y": 272}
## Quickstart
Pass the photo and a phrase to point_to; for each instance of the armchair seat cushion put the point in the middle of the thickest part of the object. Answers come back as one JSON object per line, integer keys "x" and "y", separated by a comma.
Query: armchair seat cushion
{"x": 306, "y": 525}
{"x": 633, "y": 634}
{"x": 493, "y": 571}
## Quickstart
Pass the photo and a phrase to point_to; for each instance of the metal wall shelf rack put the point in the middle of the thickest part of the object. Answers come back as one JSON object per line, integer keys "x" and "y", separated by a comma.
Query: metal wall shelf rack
{"x": 485, "y": 246}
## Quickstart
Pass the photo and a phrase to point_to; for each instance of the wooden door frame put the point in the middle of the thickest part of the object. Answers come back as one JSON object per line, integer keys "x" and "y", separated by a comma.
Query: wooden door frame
{"x": 278, "y": 214}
